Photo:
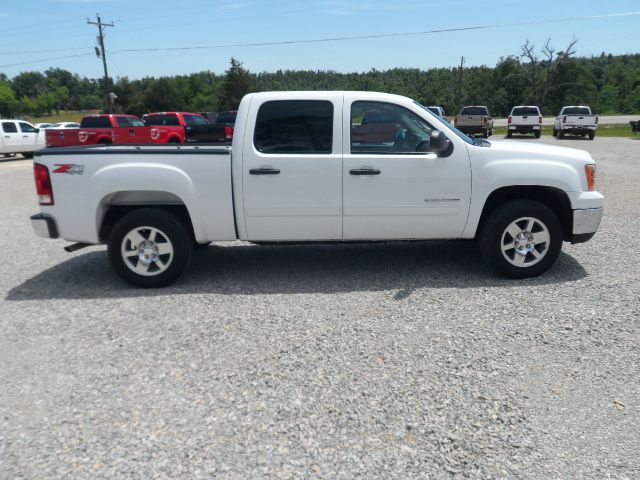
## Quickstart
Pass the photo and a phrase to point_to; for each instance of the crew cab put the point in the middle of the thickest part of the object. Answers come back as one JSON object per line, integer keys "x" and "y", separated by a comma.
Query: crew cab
{"x": 524, "y": 119}
{"x": 102, "y": 129}
{"x": 575, "y": 120}
{"x": 474, "y": 120}
{"x": 296, "y": 172}
{"x": 18, "y": 136}
{"x": 185, "y": 127}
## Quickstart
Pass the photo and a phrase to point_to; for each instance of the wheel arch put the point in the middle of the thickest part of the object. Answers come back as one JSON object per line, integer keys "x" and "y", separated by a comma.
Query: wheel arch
{"x": 116, "y": 205}
{"x": 554, "y": 198}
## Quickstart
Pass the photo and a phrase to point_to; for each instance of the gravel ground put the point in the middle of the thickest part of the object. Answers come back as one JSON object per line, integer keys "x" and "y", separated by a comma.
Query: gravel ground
{"x": 354, "y": 361}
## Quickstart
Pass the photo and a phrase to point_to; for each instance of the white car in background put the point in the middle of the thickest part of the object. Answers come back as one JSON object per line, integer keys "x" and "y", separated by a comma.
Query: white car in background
{"x": 439, "y": 111}
{"x": 525, "y": 119}
{"x": 18, "y": 136}
{"x": 43, "y": 125}
{"x": 62, "y": 125}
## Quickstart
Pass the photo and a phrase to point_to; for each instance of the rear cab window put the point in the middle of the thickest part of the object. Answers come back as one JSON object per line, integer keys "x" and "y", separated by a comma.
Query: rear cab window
{"x": 576, "y": 111}
{"x": 475, "y": 111}
{"x": 525, "y": 111}
{"x": 294, "y": 127}
{"x": 95, "y": 122}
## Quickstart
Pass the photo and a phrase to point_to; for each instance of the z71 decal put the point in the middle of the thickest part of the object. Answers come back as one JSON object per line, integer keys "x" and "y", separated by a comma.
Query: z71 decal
{"x": 69, "y": 168}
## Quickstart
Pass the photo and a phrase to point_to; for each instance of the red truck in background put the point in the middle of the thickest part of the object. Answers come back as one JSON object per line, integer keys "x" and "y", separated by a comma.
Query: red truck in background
{"x": 185, "y": 127}
{"x": 102, "y": 129}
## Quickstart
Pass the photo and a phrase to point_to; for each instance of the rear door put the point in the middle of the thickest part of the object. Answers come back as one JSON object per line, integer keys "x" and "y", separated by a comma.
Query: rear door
{"x": 292, "y": 169}
{"x": 11, "y": 138}
{"x": 398, "y": 189}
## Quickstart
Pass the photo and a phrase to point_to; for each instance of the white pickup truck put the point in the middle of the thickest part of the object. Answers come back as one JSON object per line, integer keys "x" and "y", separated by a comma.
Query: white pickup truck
{"x": 18, "y": 136}
{"x": 305, "y": 166}
{"x": 524, "y": 119}
{"x": 576, "y": 120}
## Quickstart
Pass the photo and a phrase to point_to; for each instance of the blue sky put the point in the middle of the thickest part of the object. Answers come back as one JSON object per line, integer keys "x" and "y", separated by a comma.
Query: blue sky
{"x": 42, "y": 29}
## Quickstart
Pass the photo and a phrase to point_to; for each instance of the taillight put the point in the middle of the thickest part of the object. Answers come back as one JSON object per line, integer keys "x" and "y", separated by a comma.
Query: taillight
{"x": 455, "y": 120}
{"x": 485, "y": 119}
{"x": 228, "y": 132}
{"x": 43, "y": 184}
{"x": 564, "y": 119}
{"x": 590, "y": 172}
{"x": 596, "y": 119}
{"x": 540, "y": 119}
{"x": 509, "y": 120}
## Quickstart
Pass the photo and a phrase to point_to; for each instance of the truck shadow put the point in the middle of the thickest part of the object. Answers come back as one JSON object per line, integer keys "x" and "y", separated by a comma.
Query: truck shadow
{"x": 241, "y": 269}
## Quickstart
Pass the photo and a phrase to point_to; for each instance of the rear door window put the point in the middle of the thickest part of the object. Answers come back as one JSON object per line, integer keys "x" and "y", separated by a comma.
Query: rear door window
{"x": 9, "y": 127}
{"x": 294, "y": 126}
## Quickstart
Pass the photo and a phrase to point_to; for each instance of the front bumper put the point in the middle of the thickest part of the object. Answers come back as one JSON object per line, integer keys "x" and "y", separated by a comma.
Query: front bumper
{"x": 585, "y": 223}
{"x": 44, "y": 225}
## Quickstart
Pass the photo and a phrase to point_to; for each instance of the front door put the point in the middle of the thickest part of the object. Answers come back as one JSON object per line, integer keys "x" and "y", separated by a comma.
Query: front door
{"x": 292, "y": 169}
{"x": 29, "y": 136}
{"x": 198, "y": 129}
{"x": 394, "y": 187}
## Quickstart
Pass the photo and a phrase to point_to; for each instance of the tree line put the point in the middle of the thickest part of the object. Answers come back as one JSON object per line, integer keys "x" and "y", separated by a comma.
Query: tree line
{"x": 544, "y": 77}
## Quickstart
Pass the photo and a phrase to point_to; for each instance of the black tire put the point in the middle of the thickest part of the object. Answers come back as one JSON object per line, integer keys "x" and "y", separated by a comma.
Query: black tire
{"x": 555, "y": 132}
{"x": 509, "y": 134}
{"x": 560, "y": 134}
{"x": 485, "y": 134}
{"x": 493, "y": 233}
{"x": 174, "y": 140}
{"x": 592, "y": 136}
{"x": 538, "y": 133}
{"x": 170, "y": 229}
{"x": 27, "y": 155}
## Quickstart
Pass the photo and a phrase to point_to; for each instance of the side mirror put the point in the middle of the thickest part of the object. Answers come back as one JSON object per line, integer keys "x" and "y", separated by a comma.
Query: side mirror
{"x": 37, "y": 130}
{"x": 440, "y": 144}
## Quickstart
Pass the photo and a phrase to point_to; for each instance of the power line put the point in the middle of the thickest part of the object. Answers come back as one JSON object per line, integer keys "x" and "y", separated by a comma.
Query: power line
{"x": 26, "y": 52}
{"x": 45, "y": 60}
{"x": 348, "y": 38}
{"x": 382, "y": 35}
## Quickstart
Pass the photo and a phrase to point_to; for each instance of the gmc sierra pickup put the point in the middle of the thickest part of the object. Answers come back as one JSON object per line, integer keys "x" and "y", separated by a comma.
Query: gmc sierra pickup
{"x": 297, "y": 173}
{"x": 576, "y": 120}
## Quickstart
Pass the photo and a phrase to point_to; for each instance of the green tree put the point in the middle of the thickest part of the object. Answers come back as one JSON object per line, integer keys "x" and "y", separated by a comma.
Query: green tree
{"x": 237, "y": 83}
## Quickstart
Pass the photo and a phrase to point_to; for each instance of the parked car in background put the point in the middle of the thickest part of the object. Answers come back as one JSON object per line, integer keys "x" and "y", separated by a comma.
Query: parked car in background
{"x": 43, "y": 125}
{"x": 475, "y": 120}
{"x": 211, "y": 116}
{"x": 101, "y": 129}
{"x": 635, "y": 126}
{"x": 18, "y": 136}
{"x": 64, "y": 125}
{"x": 524, "y": 119}
{"x": 228, "y": 119}
{"x": 184, "y": 127}
{"x": 575, "y": 120}
{"x": 439, "y": 111}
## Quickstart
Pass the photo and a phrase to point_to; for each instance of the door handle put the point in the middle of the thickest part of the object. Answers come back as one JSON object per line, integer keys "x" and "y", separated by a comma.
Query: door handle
{"x": 264, "y": 171}
{"x": 364, "y": 171}
{"x": 7, "y": 136}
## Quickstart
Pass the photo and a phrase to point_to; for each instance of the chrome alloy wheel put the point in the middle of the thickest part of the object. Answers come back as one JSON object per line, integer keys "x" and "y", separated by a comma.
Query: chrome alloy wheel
{"x": 525, "y": 242}
{"x": 147, "y": 251}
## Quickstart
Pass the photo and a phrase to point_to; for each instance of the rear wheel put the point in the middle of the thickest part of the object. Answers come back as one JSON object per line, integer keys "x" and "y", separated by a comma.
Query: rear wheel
{"x": 560, "y": 134}
{"x": 592, "y": 136}
{"x": 509, "y": 134}
{"x": 555, "y": 132}
{"x": 521, "y": 238}
{"x": 149, "y": 248}
{"x": 27, "y": 155}
{"x": 538, "y": 133}
{"x": 485, "y": 134}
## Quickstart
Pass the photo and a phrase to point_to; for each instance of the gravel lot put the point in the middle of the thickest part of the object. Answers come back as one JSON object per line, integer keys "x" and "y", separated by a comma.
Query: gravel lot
{"x": 369, "y": 361}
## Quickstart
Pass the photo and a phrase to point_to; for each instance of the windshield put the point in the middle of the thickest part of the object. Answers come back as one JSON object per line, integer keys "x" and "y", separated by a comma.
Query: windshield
{"x": 464, "y": 137}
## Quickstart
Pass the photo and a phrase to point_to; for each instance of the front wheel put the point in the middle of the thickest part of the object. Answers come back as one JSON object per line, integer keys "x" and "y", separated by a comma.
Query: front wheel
{"x": 149, "y": 248}
{"x": 521, "y": 238}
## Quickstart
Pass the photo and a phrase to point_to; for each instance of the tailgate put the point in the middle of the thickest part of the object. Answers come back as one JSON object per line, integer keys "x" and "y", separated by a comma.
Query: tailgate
{"x": 62, "y": 137}
{"x": 469, "y": 120}
{"x": 580, "y": 120}
{"x": 525, "y": 120}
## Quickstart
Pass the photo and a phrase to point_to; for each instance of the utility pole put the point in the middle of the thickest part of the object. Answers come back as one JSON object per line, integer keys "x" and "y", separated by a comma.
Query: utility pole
{"x": 459, "y": 89}
{"x": 103, "y": 53}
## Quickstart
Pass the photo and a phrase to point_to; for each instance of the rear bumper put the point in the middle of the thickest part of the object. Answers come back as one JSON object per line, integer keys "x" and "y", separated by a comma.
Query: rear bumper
{"x": 524, "y": 128}
{"x": 44, "y": 225}
{"x": 578, "y": 130}
{"x": 585, "y": 223}
{"x": 472, "y": 129}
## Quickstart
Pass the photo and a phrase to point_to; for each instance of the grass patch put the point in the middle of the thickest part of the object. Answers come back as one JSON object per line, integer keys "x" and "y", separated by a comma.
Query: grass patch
{"x": 64, "y": 116}
{"x": 623, "y": 130}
